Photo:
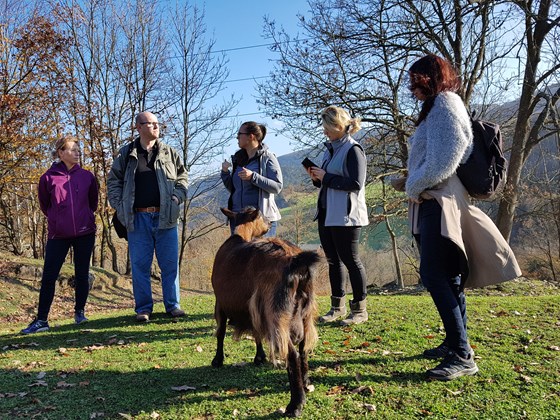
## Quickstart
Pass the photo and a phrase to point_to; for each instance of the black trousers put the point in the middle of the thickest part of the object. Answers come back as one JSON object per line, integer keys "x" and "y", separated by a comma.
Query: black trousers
{"x": 340, "y": 244}
{"x": 55, "y": 254}
{"x": 440, "y": 272}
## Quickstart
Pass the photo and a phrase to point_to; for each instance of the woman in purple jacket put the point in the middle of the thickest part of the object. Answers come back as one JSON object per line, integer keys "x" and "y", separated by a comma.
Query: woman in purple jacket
{"x": 68, "y": 196}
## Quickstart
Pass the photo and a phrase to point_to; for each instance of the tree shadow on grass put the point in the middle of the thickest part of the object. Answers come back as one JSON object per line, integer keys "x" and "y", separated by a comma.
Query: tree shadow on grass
{"x": 192, "y": 392}
{"x": 105, "y": 330}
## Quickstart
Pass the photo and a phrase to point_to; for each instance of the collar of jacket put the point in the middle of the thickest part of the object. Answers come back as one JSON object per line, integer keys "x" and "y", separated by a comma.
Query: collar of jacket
{"x": 60, "y": 167}
{"x": 337, "y": 144}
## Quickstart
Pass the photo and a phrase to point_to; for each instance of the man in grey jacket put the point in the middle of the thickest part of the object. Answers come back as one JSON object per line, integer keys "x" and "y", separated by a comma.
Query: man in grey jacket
{"x": 146, "y": 185}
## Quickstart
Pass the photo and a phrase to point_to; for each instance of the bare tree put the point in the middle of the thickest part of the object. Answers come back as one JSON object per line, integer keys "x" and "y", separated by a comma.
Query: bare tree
{"x": 199, "y": 125}
{"x": 356, "y": 54}
{"x": 539, "y": 95}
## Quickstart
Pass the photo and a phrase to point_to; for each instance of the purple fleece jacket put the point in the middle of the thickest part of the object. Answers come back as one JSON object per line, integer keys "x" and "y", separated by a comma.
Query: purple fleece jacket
{"x": 68, "y": 198}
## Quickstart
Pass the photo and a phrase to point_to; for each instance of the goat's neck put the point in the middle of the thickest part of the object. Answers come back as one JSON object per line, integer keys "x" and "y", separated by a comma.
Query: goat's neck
{"x": 245, "y": 232}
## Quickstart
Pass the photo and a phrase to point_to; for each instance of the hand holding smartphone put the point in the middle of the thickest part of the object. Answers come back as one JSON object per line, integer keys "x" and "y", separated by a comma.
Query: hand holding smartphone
{"x": 308, "y": 163}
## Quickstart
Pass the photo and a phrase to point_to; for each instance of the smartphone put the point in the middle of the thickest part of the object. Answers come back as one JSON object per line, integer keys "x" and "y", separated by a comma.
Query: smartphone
{"x": 308, "y": 163}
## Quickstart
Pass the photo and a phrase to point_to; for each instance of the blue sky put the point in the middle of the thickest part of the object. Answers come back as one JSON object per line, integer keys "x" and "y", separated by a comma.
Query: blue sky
{"x": 236, "y": 24}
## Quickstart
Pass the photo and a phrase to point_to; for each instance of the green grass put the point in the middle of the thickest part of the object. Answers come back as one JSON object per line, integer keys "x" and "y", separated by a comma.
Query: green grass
{"x": 115, "y": 368}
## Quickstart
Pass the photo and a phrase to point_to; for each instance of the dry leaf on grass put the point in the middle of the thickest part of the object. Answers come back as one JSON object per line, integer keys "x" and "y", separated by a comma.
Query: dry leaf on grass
{"x": 454, "y": 393}
{"x": 38, "y": 383}
{"x": 336, "y": 390}
{"x": 370, "y": 407}
{"x": 183, "y": 388}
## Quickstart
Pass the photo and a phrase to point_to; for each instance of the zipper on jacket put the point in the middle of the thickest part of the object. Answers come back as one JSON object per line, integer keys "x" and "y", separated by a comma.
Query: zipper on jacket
{"x": 72, "y": 204}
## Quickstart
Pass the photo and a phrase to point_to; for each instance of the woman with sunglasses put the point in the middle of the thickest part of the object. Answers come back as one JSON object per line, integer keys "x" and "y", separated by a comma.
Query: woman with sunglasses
{"x": 255, "y": 176}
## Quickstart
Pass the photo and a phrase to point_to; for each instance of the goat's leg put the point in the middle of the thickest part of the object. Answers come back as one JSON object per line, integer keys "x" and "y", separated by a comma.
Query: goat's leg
{"x": 260, "y": 356}
{"x": 297, "y": 393}
{"x": 221, "y": 320}
{"x": 304, "y": 364}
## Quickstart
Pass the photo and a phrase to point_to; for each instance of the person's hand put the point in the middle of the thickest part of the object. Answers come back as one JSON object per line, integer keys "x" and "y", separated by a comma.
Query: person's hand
{"x": 317, "y": 174}
{"x": 226, "y": 165}
{"x": 245, "y": 174}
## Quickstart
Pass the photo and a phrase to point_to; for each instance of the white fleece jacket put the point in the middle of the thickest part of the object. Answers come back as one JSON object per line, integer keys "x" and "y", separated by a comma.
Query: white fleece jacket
{"x": 440, "y": 143}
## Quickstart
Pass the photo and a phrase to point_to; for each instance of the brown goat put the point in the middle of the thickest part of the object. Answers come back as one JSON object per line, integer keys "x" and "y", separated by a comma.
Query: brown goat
{"x": 265, "y": 288}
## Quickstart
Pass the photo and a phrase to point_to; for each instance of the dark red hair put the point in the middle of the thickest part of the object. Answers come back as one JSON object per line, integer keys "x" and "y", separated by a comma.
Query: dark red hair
{"x": 432, "y": 75}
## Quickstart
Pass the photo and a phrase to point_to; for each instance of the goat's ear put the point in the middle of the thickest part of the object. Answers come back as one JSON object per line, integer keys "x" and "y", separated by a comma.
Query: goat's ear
{"x": 253, "y": 214}
{"x": 228, "y": 213}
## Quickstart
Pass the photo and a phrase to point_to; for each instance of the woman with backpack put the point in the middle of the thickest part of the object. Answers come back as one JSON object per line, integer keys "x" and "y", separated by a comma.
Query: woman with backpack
{"x": 459, "y": 245}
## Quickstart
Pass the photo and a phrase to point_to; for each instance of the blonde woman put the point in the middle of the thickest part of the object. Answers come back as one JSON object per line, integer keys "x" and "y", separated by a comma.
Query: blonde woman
{"x": 341, "y": 213}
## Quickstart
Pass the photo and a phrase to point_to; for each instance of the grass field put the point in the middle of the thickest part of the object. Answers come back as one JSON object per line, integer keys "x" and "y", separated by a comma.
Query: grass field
{"x": 115, "y": 368}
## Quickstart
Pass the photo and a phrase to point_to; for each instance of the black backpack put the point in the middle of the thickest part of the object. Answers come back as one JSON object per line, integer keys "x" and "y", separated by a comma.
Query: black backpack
{"x": 485, "y": 170}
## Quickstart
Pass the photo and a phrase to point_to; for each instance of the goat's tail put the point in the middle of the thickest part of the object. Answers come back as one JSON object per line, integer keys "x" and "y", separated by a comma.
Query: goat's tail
{"x": 294, "y": 298}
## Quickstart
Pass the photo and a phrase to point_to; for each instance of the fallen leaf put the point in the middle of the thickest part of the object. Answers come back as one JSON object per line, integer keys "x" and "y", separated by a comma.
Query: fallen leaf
{"x": 154, "y": 415}
{"x": 96, "y": 415}
{"x": 554, "y": 348}
{"x": 235, "y": 412}
{"x": 41, "y": 375}
{"x": 126, "y": 416}
{"x": 63, "y": 351}
{"x": 370, "y": 407}
{"x": 336, "y": 390}
{"x": 38, "y": 383}
{"x": 526, "y": 379}
{"x": 454, "y": 392}
{"x": 199, "y": 349}
{"x": 310, "y": 388}
{"x": 63, "y": 384}
{"x": 361, "y": 389}
{"x": 183, "y": 388}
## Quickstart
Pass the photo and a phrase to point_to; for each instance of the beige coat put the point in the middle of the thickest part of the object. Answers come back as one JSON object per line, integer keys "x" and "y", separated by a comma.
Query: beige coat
{"x": 489, "y": 256}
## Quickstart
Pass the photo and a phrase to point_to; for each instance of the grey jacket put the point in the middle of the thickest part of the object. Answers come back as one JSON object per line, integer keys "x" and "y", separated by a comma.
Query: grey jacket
{"x": 171, "y": 177}
{"x": 268, "y": 181}
{"x": 344, "y": 207}
{"x": 442, "y": 141}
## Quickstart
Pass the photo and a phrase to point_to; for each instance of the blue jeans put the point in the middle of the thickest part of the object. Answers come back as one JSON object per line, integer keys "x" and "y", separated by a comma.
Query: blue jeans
{"x": 142, "y": 242}
{"x": 440, "y": 272}
{"x": 270, "y": 234}
{"x": 56, "y": 251}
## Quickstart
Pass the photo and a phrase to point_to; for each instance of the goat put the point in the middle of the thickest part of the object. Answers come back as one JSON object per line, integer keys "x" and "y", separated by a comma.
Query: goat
{"x": 265, "y": 288}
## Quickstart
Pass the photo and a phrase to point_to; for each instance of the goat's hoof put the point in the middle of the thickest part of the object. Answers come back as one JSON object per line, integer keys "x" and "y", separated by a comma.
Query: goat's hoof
{"x": 217, "y": 362}
{"x": 259, "y": 360}
{"x": 293, "y": 411}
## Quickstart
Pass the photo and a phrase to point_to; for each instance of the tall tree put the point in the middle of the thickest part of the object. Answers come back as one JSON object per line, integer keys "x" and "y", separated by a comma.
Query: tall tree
{"x": 540, "y": 92}
{"x": 32, "y": 89}
{"x": 198, "y": 123}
